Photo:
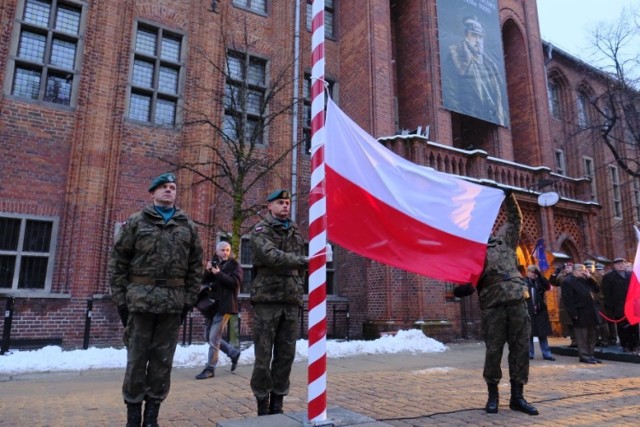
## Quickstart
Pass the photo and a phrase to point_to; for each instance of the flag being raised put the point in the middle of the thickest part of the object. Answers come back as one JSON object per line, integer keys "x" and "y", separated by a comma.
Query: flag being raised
{"x": 384, "y": 207}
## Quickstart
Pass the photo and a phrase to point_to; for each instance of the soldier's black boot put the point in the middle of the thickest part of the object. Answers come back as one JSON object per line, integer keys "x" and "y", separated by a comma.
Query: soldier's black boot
{"x": 275, "y": 406}
{"x": 151, "y": 409}
{"x": 134, "y": 414}
{"x": 263, "y": 406}
{"x": 518, "y": 403}
{"x": 494, "y": 399}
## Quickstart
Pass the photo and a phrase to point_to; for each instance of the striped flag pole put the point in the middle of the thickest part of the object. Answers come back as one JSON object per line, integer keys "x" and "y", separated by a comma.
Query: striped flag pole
{"x": 317, "y": 369}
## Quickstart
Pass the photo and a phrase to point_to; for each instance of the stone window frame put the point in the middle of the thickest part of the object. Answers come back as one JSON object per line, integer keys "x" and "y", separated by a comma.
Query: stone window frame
{"x": 561, "y": 164}
{"x": 256, "y": 6}
{"x": 21, "y": 254}
{"x": 57, "y": 83}
{"x": 165, "y": 75}
{"x": 616, "y": 191}
{"x": 241, "y": 92}
{"x": 589, "y": 172}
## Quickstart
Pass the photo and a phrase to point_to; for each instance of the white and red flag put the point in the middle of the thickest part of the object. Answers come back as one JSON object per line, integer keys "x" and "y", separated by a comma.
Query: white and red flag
{"x": 632, "y": 303}
{"x": 384, "y": 207}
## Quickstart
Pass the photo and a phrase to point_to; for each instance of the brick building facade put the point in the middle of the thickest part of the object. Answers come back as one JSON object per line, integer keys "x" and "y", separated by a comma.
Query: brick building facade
{"x": 95, "y": 95}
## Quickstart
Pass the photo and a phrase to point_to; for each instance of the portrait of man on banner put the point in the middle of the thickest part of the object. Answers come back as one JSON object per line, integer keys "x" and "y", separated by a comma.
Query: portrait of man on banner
{"x": 472, "y": 60}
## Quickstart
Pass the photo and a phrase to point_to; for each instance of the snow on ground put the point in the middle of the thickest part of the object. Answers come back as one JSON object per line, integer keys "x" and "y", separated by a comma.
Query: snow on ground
{"x": 53, "y": 358}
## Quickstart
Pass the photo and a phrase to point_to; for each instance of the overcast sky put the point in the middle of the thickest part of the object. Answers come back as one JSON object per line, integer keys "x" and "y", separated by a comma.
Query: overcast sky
{"x": 567, "y": 24}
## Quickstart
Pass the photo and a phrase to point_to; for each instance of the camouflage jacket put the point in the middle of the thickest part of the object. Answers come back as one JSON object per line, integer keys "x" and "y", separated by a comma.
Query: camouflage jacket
{"x": 148, "y": 248}
{"x": 279, "y": 263}
{"x": 501, "y": 281}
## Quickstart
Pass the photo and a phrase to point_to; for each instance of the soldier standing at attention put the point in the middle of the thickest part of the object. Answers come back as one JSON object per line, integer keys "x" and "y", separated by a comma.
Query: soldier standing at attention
{"x": 505, "y": 318}
{"x": 276, "y": 295}
{"x": 155, "y": 267}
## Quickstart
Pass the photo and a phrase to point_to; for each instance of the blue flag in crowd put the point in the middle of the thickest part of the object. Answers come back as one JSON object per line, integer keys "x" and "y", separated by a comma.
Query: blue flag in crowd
{"x": 540, "y": 253}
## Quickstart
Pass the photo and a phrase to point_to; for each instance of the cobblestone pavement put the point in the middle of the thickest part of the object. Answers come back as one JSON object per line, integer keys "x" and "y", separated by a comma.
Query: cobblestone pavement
{"x": 434, "y": 389}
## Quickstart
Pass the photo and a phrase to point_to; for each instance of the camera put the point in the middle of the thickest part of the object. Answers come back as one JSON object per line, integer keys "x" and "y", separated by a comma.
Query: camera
{"x": 215, "y": 263}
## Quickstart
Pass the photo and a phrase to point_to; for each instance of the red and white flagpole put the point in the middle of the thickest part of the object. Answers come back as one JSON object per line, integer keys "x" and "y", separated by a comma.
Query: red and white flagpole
{"x": 317, "y": 370}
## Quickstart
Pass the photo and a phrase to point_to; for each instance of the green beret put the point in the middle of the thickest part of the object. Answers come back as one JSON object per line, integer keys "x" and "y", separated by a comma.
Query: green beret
{"x": 161, "y": 179}
{"x": 278, "y": 194}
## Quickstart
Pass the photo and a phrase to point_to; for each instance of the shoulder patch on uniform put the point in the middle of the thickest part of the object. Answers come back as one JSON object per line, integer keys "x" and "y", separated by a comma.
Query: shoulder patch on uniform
{"x": 258, "y": 229}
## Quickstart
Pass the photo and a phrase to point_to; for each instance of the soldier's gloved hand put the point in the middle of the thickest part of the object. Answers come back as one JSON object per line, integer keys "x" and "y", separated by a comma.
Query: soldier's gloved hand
{"x": 463, "y": 290}
{"x": 123, "y": 312}
{"x": 507, "y": 192}
{"x": 186, "y": 309}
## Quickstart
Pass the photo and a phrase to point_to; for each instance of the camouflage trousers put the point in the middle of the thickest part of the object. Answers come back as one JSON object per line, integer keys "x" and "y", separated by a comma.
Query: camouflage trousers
{"x": 506, "y": 324}
{"x": 151, "y": 341}
{"x": 275, "y": 331}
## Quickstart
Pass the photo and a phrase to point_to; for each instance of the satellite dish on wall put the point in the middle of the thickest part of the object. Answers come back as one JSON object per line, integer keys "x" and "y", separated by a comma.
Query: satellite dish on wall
{"x": 548, "y": 199}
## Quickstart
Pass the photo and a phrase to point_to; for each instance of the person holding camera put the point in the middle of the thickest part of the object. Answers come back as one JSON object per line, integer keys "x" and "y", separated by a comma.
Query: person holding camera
{"x": 578, "y": 293}
{"x": 540, "y": 324}
{"x": 222, "y": 278}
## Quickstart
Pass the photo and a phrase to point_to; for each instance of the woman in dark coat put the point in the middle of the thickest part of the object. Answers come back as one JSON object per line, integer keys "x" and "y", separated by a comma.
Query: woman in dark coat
{"x": 578, "y": 292}
{"x": 540, "y": 325}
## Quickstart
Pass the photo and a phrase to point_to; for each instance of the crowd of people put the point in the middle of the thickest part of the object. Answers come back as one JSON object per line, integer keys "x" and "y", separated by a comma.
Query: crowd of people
{"x": 156, "y": 278}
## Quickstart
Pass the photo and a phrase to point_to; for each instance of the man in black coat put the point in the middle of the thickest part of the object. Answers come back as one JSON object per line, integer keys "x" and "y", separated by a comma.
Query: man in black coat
{"x": 223, "y": 276}
{"x": 578, "y": 293}
{"x": 540, "y": 325}
{"x": 615, "y": 285}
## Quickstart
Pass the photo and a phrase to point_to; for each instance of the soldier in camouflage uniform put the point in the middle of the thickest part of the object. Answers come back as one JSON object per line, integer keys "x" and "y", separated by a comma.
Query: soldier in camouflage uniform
{"x": 155, "y": 267}
{"x": 276, "y": 295}
{"x": 505, "y": 318}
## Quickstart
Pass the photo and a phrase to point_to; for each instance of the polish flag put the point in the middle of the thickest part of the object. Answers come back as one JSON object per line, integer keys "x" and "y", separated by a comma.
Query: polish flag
{"x": 386, "y": 208}
{"x": 632, "y": 303}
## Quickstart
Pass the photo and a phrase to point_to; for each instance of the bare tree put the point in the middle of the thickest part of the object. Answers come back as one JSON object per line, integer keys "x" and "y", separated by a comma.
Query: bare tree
{"x": 250, "y": 96}
{"x": 617, "y": 50}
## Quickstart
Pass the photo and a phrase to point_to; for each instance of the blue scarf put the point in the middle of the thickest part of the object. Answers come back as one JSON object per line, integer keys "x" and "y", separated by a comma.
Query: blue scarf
{"x": 165, "y": 212}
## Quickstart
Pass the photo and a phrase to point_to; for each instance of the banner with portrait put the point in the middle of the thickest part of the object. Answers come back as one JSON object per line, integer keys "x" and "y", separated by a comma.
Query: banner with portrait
{"x": 472, "y": 59}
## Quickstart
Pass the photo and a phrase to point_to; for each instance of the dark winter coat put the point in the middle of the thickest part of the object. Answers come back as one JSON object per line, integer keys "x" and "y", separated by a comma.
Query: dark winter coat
{"x": 225, "y": 286}
{"x": 156, "y": 267}
{"x": 579, "y": 299}
{"x": 615, "y": 287}
{"x": 540, "y": 324}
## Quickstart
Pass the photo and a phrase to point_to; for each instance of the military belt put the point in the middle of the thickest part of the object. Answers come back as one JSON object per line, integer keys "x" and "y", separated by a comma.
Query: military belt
{"x": 144, "y": 280}
{"x": 277, "y": 272}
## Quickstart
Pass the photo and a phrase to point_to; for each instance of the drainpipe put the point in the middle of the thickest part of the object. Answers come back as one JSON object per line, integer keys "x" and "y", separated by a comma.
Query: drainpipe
{"x": 294, "y": 127}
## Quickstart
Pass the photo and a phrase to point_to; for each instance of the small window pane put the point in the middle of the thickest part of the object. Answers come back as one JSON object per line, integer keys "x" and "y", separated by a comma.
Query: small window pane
{"x": 9, "y": 234}
{"x": 328, "y": 24}
{"x": 63, "y": 54}
{"x": 229, "y": 128}
{"x": 165, "y": 112}
{"x": 33, "y": 272}
{"x": 7, "y": 268}
{"x": 58, "y": 90}
{"x": 142, "y": 73}
{"x": 254, "y": 102}
{"x": 246, "y": 252}
{"x": 32, "y": 46}
{"x": 146, "y": 42}
{"x": 170, "y": 49}
{"x": 231, "y": 94}
{"x": 256, "y": 73}
{"x": 37, "y": 12}
{"x": 168, "y": 82}
{"x": 26, "y": 83}
{"x": 235, "y": 68}
{"x": 68, "y": 20}
{"x": 140, "y": 107}
{"x": 254, "y": 132}
{"x": 37, "y": 236}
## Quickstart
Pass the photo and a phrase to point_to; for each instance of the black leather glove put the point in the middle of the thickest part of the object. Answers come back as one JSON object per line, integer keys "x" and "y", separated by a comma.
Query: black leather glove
{"x": 123, "y": 312}
{"x": 186, "y": 309}
{"x": 463, "y": 291}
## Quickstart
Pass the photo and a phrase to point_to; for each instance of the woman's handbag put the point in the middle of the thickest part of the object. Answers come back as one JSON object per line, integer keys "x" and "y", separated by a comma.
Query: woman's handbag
{"x": 206, "y": 305}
